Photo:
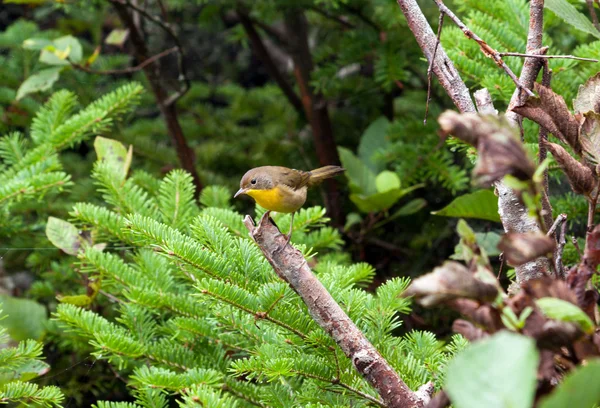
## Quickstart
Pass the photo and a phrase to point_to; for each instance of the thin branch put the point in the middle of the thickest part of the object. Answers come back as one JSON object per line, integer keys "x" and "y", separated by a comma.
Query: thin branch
{"x": 562, "y": 241}
{"x": 291, "y": 266}
{"x": 559, "y": 220}
{"x": 485, "y": 47}
{"x": 276, "y": 34}
{"x": 543, "y": 153}
{"x": 166, "y": 27}
{"x": 332, "y": 17}
{"x": 443, "y": 66}
{"x": 590, "y": 4}
{"x": 484, "y": 102}
{"x": 358, "y": 13}
{"x": 122, "y": 71}
{"x": 518, "y": 54}
{"x": 430, "y": 68}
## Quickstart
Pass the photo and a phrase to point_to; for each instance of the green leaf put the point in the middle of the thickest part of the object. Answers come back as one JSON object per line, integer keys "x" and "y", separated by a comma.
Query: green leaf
{"x": 361, "y": 178}
{"x": 372, "y": 141}
{"x": 38, "y": 82}
{"x": 386, "y": 181}
{"x": 61, "y": 49}
{"x": 380, "y": 201}
{"x": 412, "y": 207}
{"x": 568, "y": 12}
{"x": 352, "y": 219}
{"x": 36, "y": 44}
{"x": 117, "y": 37}
{"x": 581, "y": 388}
{"x": 489, "y": 242}
{"x": 564, "y": 311}
{"x": 22, "y": 318}
{"x": 25, "y": 372}
{"x": 482, "y": 204}
{"x": 115, "y": 154}
{"x": 497, "y": 372}
{"x": 77, "y": 300}
{"x": 63, "y": 235}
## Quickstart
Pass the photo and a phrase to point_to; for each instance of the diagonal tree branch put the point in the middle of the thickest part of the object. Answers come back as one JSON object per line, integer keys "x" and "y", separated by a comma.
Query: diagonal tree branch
{"x": 291, "y": 266}
{"x": 512, "y": 212}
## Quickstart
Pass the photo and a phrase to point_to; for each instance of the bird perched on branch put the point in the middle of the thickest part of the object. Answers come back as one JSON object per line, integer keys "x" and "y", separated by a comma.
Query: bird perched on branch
{"x": 281, "y": 189}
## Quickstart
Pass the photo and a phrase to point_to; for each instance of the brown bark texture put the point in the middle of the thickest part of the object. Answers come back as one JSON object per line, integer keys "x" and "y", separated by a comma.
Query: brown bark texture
{"x": 291, "y": 266}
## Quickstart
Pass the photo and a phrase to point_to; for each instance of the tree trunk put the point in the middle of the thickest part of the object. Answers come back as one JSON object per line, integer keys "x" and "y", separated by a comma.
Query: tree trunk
{"x": 168, "y": 111}
{"x": 314, "y": 105}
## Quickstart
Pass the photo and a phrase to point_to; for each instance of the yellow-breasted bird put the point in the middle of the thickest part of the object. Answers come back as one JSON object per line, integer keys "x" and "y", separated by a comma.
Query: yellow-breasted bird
{"x": 281, "y": 189}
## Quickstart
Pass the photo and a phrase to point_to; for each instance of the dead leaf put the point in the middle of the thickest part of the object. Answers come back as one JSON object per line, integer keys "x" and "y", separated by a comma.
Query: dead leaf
{"x": 589, "y": 136}
{"x": 588, "y": 96}
{"x": 520, "y": 248}
{"x": 550, "y": 111}
{"x": 581, "y": 177}
{"x": 452, "y": 280}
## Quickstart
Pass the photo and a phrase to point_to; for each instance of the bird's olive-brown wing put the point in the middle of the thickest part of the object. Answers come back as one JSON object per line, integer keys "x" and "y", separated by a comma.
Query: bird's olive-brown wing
{"x": 293, "y": 178}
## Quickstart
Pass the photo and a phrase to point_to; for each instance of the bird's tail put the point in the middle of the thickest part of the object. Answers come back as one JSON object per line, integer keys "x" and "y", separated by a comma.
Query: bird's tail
{"x": 322, "y": 173}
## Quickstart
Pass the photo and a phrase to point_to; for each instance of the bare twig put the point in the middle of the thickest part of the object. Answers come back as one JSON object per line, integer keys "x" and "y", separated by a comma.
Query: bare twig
{"x": 562, "y": 241}
{"x": 430, "y": 68}
{"x": 559, "y": 220}
{"x": 332, "y": 17}
{"x": 576, "y": 245}
{"x": 167, "y": 29}
{"x": 590, "y": 4}
{"x": 360, "y": 15}
{"x": 518, "y": 54}
{"x": 443, "y": 66}
{"x": 291, "y": 266}
{"x": 485, "y": 47}
{"x": 128, "y": 70}
{"x": 543, "y": 153}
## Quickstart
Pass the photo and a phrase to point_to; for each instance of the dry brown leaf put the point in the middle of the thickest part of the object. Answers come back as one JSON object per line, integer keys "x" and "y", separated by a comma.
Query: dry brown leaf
{"x": 580, "y": 176}
{"x": 520, "y": 248}
{"x": 588, "y": 96}
{"x": 550, "y": 111}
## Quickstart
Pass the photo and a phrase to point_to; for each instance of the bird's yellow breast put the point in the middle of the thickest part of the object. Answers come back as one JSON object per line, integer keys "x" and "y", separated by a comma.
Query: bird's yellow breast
{"x": 277, "y": 199}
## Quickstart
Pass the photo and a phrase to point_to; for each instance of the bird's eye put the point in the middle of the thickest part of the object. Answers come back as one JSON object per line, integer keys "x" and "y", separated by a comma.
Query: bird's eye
{"x": 253, "y": 181}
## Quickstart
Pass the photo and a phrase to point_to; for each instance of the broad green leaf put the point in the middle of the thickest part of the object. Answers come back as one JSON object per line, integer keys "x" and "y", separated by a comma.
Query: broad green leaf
{"x": 352, "y": 219}
{"x": 386, "y": 181}
{"x": 489, "y": 242}
{"x": 25, "y": 372}
{"x": 482, "y": 204}
{"x": 77, "y": 300}
{"x": 36, "y": 43}
{"x": 564, "y": 311}
{"x": 373, "y": 140}
{"x": 361, "y": 178}
{"x": 380, "y": 201}
{"x": 114, "y": 153}
{"x": 63, "y": 235}
{"x": 38, "y": 82}
{"x": 568, "y": 12}
{"x": 497, "y": 372}
{"x": 117, "y": 37}
{"x": 61, "y": 49}
{"x": 581, "y": 388}
{"x": 413, "y": 206}
{"x": 25, "y": 319}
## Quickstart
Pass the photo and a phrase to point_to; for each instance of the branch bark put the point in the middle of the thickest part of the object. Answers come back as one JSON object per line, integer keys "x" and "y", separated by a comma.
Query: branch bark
{"x": 263, "y": 54}
{"x": 165, "y": 103}
{"x": 512, "y": 212}
{"x": 291, "y": 266}
{"x": 314, "y": 105}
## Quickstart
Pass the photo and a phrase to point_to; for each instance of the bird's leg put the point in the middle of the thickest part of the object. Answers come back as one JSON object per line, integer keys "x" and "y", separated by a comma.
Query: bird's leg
{"x": 288, "y": 236}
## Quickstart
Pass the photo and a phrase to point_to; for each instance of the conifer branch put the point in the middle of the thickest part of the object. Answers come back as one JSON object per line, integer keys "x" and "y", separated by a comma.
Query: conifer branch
{"x": 292, "y": 267}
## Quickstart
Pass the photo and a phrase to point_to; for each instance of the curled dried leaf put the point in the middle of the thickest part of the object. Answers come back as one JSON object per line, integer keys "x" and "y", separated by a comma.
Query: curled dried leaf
{"x": 550, "y": 111}
{"x": 468, "y": 330}
{"x": 520, "y": 248}
{"x": 588, "y": 96}
{"x": 591, "y": 253}
{"x": 589, "y": 136}
{"x": 452, "y": 280}
{"x": 580, "y": 176}
{"x": 500, "y": 149}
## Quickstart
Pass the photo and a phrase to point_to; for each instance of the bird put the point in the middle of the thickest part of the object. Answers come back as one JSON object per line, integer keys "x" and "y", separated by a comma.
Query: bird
{"x": 282, "y": 189}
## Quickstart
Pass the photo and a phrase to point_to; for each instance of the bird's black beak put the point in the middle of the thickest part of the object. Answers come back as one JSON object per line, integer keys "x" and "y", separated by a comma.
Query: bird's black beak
{"x": 240, "y": 192}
